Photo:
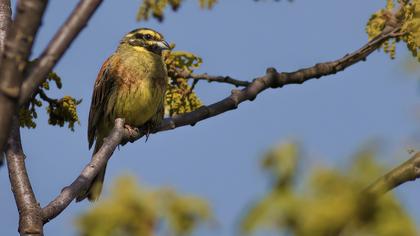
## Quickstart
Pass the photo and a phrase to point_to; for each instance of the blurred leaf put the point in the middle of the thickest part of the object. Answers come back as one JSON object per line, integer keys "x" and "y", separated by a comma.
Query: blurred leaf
{"x": 133, "y": 210}
{"x": 156, "y": 8}
{"x": 331, "y": 202}
{"x": 281, "y": 162}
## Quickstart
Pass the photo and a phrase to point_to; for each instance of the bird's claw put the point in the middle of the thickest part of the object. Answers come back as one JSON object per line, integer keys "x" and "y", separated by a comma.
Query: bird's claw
{"x": 133, "y": 133}
{"x": 147, "y": 133}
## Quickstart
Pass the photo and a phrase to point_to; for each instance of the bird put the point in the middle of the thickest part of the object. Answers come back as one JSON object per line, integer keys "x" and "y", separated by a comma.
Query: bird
{"x": 131, "y": 84}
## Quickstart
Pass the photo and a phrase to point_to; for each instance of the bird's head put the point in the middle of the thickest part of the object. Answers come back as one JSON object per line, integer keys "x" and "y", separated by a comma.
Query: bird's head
{"x": 145, "y": 38}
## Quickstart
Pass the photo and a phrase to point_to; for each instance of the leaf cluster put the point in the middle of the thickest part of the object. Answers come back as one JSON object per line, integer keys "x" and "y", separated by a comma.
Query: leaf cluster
{"x": 60, "y": 111}
{"x": 407, "y": 13}
{"x": 64, "y": 111}
{"x": 133, "y": 210}
{"x": 156, "y": 8}
{"x": 180, "y": 97}
{"x": 329, "y": 202}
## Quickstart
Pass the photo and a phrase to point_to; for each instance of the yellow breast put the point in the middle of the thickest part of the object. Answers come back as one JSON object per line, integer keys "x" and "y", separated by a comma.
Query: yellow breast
{"x": 138, "y": 102}
{"x": 140, "y": 90}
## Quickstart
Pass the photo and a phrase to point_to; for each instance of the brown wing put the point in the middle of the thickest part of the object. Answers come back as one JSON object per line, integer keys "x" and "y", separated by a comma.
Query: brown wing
{"x": 103, "y": 86}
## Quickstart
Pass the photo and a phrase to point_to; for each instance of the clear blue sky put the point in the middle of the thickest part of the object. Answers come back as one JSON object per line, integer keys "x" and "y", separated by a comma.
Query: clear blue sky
{"x": 218, "y": 159}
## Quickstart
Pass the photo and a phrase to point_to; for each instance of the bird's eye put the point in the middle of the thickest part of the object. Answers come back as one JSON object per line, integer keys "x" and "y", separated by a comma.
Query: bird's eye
{"x": 147, "y": 37}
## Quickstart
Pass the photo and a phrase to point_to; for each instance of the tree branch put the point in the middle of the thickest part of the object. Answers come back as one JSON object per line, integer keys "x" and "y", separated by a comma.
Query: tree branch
{"x": 272, "y": 79}
{"x": 57, "y": 47}
{"x": 407, "y": 171}
{"x": 18, "y": 45}
{"x": 82, "y": 182}
{"x": 212, "y": 78}
{"x": 5, "y": 21}
{"x": 30, "y": 219}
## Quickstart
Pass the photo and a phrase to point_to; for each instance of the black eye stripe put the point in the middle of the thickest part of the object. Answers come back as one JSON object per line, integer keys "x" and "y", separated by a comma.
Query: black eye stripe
{"x": 147, "y": 36}
{"x": 143, "y": 36}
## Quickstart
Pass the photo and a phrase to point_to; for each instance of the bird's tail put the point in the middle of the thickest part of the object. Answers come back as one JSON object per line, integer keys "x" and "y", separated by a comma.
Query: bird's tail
{"x": 95, "y": 188}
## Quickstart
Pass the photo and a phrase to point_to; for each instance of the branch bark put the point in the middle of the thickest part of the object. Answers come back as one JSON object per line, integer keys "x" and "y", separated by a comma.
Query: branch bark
{"x": 18, "y": 45}
{"x": 30, "y": 218}
{"x": 272, "y": 79}
{"x": 5, "y": 20}
{"x": 212, "y": 78}
{"x": 82, "y": 182}
{"x": 57, "y": 47}
{"x": 30, "y": 221}
{"x": 407, "y": 171}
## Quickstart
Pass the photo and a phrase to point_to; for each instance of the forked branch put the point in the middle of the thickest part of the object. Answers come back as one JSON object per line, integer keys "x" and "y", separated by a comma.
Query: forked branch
{"x": 17, "y": 49}
{"x": 57, "y": 47}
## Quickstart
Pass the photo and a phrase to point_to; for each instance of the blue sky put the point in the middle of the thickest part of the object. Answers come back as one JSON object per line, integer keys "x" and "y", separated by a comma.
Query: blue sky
{"x": 218, "y": 158}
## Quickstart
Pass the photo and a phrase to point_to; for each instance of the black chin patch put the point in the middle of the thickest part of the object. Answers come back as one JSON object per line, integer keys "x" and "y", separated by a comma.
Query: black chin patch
{"x": 155, "y": 49}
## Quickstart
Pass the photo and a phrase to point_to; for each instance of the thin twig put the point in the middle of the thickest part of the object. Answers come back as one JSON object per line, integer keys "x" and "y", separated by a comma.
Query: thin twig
{"x": 213, "y": 78}
{"x": 30, "y": 218}
{"x": 45, "y": 97}
{"x": 220, "y": 79}
{"x": 57, "y": 47}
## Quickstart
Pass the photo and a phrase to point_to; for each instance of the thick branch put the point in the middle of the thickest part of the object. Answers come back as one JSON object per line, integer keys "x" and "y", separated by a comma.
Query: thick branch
{"x": 18, "y": 45}
{"x": 5, "y": 20}
{"x": 30, "y": 219}
{"x": 407, "y": 171}
{"x": 83, "y": 181}
{"x": 57, "y": 47}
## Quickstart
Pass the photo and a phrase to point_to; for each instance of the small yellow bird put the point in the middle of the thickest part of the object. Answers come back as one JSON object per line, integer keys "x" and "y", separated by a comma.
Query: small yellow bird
{"x": 131, "y": 85}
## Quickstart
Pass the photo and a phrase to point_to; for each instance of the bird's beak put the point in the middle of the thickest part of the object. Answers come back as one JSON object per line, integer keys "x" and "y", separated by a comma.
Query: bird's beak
{"x": 163, "y": 45}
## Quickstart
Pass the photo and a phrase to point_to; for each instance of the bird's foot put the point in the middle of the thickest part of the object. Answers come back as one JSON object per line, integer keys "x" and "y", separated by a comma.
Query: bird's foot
{"x": 133, "y": 133}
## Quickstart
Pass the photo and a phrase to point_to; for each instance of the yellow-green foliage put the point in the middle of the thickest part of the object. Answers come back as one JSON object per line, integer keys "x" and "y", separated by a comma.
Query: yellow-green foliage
{"x": 330, "y": 202}
{"x": 60, "y": 111}
{"x": 156, "y": 8}
{"x": 133, "y": 210}
{"x": 408, "y": 15}
{"x": 184, "y": 212}
{"x": 180, "y": 97}
{"x": 28, "y": 114}
{"x": 411, "y": 14}
{"x": 281, "y": 163}
{"x": 64, "y": 111}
